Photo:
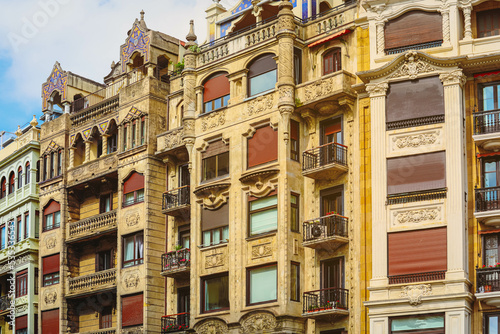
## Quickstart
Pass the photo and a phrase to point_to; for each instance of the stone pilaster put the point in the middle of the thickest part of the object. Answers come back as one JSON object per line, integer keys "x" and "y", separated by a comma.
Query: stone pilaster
{"x": 104, "y": 144}
{"x": 71, "y": 157}
{"x": 88, "y": 143}
{"x": 380, "y": 38}
{"x": 467, "y": 22}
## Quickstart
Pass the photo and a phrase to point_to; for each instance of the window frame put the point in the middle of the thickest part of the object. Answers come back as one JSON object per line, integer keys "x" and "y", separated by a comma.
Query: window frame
{"x": 295, "y": 142}
{"x": 26, "y": 222}
{"x": 102, "y": 262}
{"x": 217, "y": 161}
{"x": 22, "y": 283}
{"x": 3, "y": 190}
{"x": 296, "y": 207}
{"x": 3, "y": 236}
{"x": 19, "y": 177}
{"x": 59, "y": 162}
{"x": 336, "y": 60}
{"x": 496, "y": 95}
{"x": 220, "y": 230}
{"x": 248, "y": 284}
{"x": 134, "y": 261}
{"x": 203, "y": 281}
{"x": 27, "y": 177}
{"x": 54, "y": 223}
{"x": 106, "y": 317}
{"x": 51, "y": 279}
{"x": 295, "y": 295}
{"x": 480, "y": 21}
{"x": 252, "y": 77}
{"x": 12, "y": 182}
{"x": 427, "y": 331}
{"x": 102, "y": 198}
{"x": 19, "y": 223}
{"x": 267, "y": 208}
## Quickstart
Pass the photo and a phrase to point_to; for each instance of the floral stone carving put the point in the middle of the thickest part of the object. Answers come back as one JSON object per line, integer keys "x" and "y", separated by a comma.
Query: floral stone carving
{"x": 173, "y": 138}
{"x": 50, "y": 241}
{"x": 132, "y": 219}
{"x": 213, "y": 120}
{"x": 417, "y": 216}
{"x": 131, "y": 280}
{"x": 50, "y": 297}
{"x": 412, "y": 66}
{"x": 414, "y": 293}
{"x": 414, "y": 141}
{"x": 212, "y": 327}
{"x": 260, "y": 104}
{"x": 258, "y": 322}
{"x": 262, "y": 250}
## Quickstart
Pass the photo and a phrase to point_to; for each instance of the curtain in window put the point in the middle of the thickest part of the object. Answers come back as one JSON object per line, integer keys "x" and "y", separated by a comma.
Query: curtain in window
{"x": 129, "y": 249}
{"x": 216, "y": 293}
{"x": 139, "y": 246}
{"x": 263, "y": 284}
{"x": 266, "y": 220}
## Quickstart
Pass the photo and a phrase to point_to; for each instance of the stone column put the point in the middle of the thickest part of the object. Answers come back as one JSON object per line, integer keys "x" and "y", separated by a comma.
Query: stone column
{"x": 199, "y": 99}
{"x": 380, "y": 38}
{"x": 71, "y": 157}
{"x": 67, "y": 107}
{"x": 379, "y": 183}
{"x": 456, "y": 174}
{"x": 104, "y": 144}
{"x": 87, "y": 150}
{"x": 445, "y": 12}
{"x": 467, "y": 22}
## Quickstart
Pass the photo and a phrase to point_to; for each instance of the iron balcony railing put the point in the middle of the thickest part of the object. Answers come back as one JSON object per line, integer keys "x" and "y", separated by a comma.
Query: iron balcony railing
{"x": 175, "y": 260}
{"x": 416, "y": 196}
{"x": 5, "y": 303}
{"x": 324, "y": 155}
{"x": 418, "y": 277}
{"x": 324, "y": 227}
{"x": 325, "y": 299}
{"x": 176, "y": 197}
{"x": 175, "y": 322}
{"x": 487, "y": 199}
{"x": 347, "y": 3}
{"x": 487, "y": 122}
{"x": 488, "y": 279}
{"x": 419, "y": 46}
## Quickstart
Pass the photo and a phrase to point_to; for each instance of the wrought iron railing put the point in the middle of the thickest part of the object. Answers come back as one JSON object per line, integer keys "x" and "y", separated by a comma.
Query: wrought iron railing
{"x": 92, "y": 223}
{"x": 324, "y": 155}
{"x": 409, "y": 123}
{"x": 176, "y": 197}
{"x": 174, "y": 322}
{"x": 5, "y": 303}
{"x": 488, "y": 279}
{"x": 487, "y": 199}
{"x": 416, "y": 196}
{"x": 418, "y": 277}
{"x": 175, "y": 260}
{"x": 419, "y": 46}
{"x": 93, "y": 280}
{"x": 325, "y": 299}
{"x": 487, "y": 122}
{"x": 338, "y": 8}
{"x": 324, "y": 227}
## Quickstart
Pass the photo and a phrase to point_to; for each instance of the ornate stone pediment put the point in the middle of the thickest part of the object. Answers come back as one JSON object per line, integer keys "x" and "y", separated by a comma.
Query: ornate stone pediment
{"x": 258, "y": 323}
{"x": 53, "y": 147}
{"x": 213, "y": 196}
{"x": 260, "y": 183}
{"x": 133, "y": 113}
{"x": 212, "y": 326}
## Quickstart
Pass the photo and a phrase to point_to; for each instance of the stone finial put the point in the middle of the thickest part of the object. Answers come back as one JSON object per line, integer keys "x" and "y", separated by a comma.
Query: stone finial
{"x": 191, "y": 37}
{"x": 113, "y": 64}
{"x": 19, "y": 132}
{"x": 34, "y": 122}
{"x": 216, "y": 1}
{"x": 142, "y": 15}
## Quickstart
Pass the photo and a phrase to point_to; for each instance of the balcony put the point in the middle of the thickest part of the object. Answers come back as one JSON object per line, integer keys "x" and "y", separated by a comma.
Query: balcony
{"x": 175, "y": 323}
{"x": 99, "y": 281}
{"x": 327, "y": 232}
{"x": 325, "y": 304}
{"x": 488, "y": 206}
{"x": 170, "y": 143}
{"x": 417, "y": 277}
{"x": 5, "y": 304}
{"x": 488, "y": 285}
{"x": 93, "y": 226}
{"x": 487, "y": 129}
{"x": 325, "y": 162}
{"x": 100, "y": 167}
{"x": 176, "y": 264}
{"x": 101, "y": 331}
{"x": 176, "y": 202}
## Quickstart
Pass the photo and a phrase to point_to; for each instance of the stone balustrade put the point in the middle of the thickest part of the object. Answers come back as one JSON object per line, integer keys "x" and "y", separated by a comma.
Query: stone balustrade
{"x": 89, "y": 225}
{"x": 94, "y": 281}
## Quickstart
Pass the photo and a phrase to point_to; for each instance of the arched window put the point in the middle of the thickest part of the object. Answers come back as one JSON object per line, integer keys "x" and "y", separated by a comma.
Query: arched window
{"x": 19, "y": 177}
{"x": 215, "y": 92}
{"x": 262, "y": 74}
{"x": 332, "y": 61}
{"x": 12, "y": 179}
{"x": 4, "y": 188}
{"x": 51, "y": 216}
{"x": 27, "y": 173}
{"x": 133, "y": 189}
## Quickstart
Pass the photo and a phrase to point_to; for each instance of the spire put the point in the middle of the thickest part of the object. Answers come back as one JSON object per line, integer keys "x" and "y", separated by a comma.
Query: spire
{"x": 142, "y": 23}
{"x": 191, "y": 37}
{"x": 142, "y": 15}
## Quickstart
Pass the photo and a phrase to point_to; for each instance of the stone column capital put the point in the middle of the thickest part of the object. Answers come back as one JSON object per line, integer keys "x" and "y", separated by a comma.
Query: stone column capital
{"x": 378, "y": 89}
{"x": 455, "y": 77}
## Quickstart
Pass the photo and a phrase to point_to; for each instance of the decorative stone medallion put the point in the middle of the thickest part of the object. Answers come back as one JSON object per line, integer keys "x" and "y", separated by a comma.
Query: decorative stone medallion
{"x": 213, "y": 326}
{"x": 414, "y": 293}
{"x": 258, "y": 322}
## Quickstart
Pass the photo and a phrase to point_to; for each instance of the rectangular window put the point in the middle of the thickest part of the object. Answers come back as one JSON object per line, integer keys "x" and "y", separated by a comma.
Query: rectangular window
{"x": 294, "y": 213}
{"x": 432, "y": 324}
{"x": 106, "y": 203}
{"x": 263, "y": 215}
{"x": 134, "y": 133}
{"x": 50, "y": 322}
{"x": 26, "y": 225}
{"x": 3, "y": 236}
{"x": 59, "y": 162}
{"x": 214, "y": 225}
{"x": 262, "y": 147}
{"x": 52, "y": 221}
{"x": 45, "y": 167}
{"x": 143, "y": 130}
{"x": 215, "y": 236}
{"x": 125, "y": 128}
{"x": 133, "y": 189}
{"x": 488, "y": 23}
{"x": 35, "y": 283}
{"x": 297, "y": 65}
{"x": 215, "y": 92}
{"x": 262, "y": 82}
{"x": 52, "y": 164}
{"x": 295, "y": 282}
{"x": 132, "y": 310}
{"x": 37, "y": 223}
{"x": 216, "y": 104}
{"x": 19, "y": 229}
{"x": 215, "y": 166}
{"x": 22, "y": 283}
{"x": 215, "y": 293}
{"x": 106, "y": 318}
{"x": 133, "y": 250}
{"x": 262, "y": 285}
{"x": 112, "y": 143}
{"x": 489, "y": 99}
{"x": 104, "y": 260}
{"x": 50, "y": 267}
{"x": 294, "y": 140}
{"x": 22, "y": 325}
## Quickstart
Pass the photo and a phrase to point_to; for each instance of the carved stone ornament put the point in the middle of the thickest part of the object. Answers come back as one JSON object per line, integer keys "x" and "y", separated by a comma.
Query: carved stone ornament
{"x": 213, "y": 196}
{"x": 319, "y": 89}
{"x": 379, "y": 89}
{"x": 77, "y": 172}
{"x": 214, "y": 260}
{"x": 258, "y": 322}
{"x": 132, "y": 219}
{"x": 173, "y": 138}
{"x": 213, "y": 326}
{"x": 133, "y": 330}
{"x": 17, "y": 262}
{"x": 51, "y": 241}
{"x": 286, "y": 22}
{"x": 417, "y": 216}
{"x": 213, "y": 120}
{"x": 131, "y": 280}
{"x": 414, "y": 141}
{"x": 285, "y": 93}
{"x": 21, "y": 309}
{"x": 414, "y": 293}
{"x": 260, "y": 104}
{"x": 261, "y": 183}
{"x": 412, "y": 66}
{"x": 189, "y": 125}
{"x": 263, "y": 250}
{"x": 93, "y": 167}
{"x": 453, "y": 77}
{"x": 50, "y": 296}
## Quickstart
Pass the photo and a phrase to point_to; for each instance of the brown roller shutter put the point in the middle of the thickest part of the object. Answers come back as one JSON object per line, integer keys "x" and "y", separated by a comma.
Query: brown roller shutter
{"x": 413, "y": 99}
{"x": 133, "y": 183}
{"x": 416, "y": 173}
{"x": 333, "y": 128}
{"x": 418, "y": 251}
{"x": 50, "y": 264}
{"x": 51, "y": 208}
{"x": 294, "y": 130}
{"x": 22, "y": 322}
{"x": 211, "y": 219}
{"x": 263, "y": 64}
{"x": 215, "y": 148}
{"x": 132, "y": 310}
{"x": 415, "y": 27}
{"x": 216, "y": 87}
{"x": 263, "y": 146}
{"x": 50, "y": 322}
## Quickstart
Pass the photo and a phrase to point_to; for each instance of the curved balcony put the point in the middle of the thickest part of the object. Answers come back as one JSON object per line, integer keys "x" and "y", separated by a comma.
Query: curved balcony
{"x": 5, "y": 304}
{"x": 175, "y": 323}
{"x": 176, "y": 202}
{"x": 99, "y": 281}
{"x": 488, "y": 285}
{"x": 328, "y": 232}
{"x": 325, "y": 303}
{"x": 93, "y": 226}
{"x": 327, "y": 161}
{"x": 488, "y": 205}
{"x": 176, "y": 264}
{"x": 487, "y": 129}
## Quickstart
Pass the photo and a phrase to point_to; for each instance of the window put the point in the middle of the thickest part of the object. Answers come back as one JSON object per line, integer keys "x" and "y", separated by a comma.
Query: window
{"x": 38, "y": 171}
{"x": 125, "y": 128}
{"x": 12, "y": 183}
{"x": 26, "y": 225}
{"x": 3, "y": 236}
{"x": 52, "y": 164}
{"x": 27, "y": 173}
{"x": 184, "y": 236}
{"x": 45, "y": 167}
{"x": 332, "y": 201}
{"x": 489, "y": 97}
{"x": 35, "y": 282}
{"x": 22, "y": 283}
{"x": 143, "y": 130}
{"x": 215, "y": 161}
{"x": 50, "y": 322}
{"x": 215, "y": 225}
{"x": 262, "y": 285}
{"x": 133, "y": 250}
{"x": 106, "y": 203}
{"x": 133, "y": 189}
{"x": 488, "y": 23}
{"x": 4, "y": 187}
{"x": 59, "y": 162}
{"x": 262, "y": 75}
{"x": 22, "y": 325}
{"x": 112, "y": 147}
{"x": 215, "y": 236}
{"x": 263, "y": 214}
{"x": 431, "y": 324}
{"x": 19, "y": 229}
{"x": 215, "y": 293}
{"x": 297, "y": 65}
{"x": 492, "y": 323}
{"x": 294, "y": 210}
{"x": 332, "y": 61}
{"x": 215, "y": 92}
{"x": 50, "y": 267}
{"x": 134, "y": 133}
{"x": 262, "y": 147}
{"x": 104, "y": 260}
{"x": 51, "y": 216}
{"x": 106, "y": 318}
{"x": 332, "y": 276}
{"x": 132, "y": 310}
{"x": 19, "y": 177}
{"x": 37, "y": 223}
{"x": 294, "y": 140}
{"x": 295, "y": 282}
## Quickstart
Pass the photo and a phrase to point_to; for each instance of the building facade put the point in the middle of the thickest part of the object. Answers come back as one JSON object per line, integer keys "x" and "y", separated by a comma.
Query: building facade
{"x": 19, "y": 215}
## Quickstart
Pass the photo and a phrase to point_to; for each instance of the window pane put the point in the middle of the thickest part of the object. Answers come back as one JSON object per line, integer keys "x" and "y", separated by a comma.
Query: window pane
{"x": 492, "y": 324}
{"x": 128, "y": 248}
{"x": 216, "y": 235}
{"x": 209, "y": 166}
{"x": 206, "y": 238}
{"x": 223, "y": 166}
{"x": 139, "y": 246}
{"x": 57, "y": 218}
{"x": 263, "y": 284}
{"x": 262, "y": 83}
{"x": 140, "y": 195}
{"x": 217, "y": 103}
{"x": 294, "y": 283}
{"x": 208, "y": 106}
{"x": 263, "y": 202}
{"x": 225, "y": 233}
{"x": 225, "y": 100}
{"x": 263, "y": 221}
{"x": 216, "y": 293}
{"x": 488, "y": 99}
{"x": 129, "y": 198}
{"x": 49, "y": 221}
{"x": 422, "y": 322}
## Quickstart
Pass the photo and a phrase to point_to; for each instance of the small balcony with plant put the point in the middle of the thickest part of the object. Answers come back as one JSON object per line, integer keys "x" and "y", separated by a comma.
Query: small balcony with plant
{"x": 325, "y": 304}
{"x": 175, "y": 323}
{"x": 488, "y": 284}
{"x": 488, "y": 205}
{"x": 177, "y": 263}
{"x": 328, "y": 232}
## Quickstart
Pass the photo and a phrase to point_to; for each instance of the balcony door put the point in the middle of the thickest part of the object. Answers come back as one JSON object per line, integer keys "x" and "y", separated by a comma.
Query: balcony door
{"x": 491, "y": 180}
{"x": 489, "y": 100}
{"x": 332, "y": 278}
{"x": 331, "y": 132}
{"x": 332, "y": 201}
{"x": 183, "y": 298}
{"x": 184, "y": 176}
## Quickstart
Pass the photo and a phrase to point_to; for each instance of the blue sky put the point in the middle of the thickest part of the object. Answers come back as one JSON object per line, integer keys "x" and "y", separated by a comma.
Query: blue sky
{"x": 83, "y": 35}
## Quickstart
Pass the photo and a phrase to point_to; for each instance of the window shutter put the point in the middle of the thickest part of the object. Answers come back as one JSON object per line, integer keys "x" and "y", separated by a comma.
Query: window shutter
{"x": 263, "y": 146}
{"x": 416, "y": 173}
{"x": 216, "y": 87}
{"x": 215, "y": 148}
{"x": 133, "y": 183}
{"x": 51, "y": 208}
{"x": 50, "y": 264}
{"x": 22, "y": 322}
{"x": 294, "y": 130}
{"x": 50, "y": 322}
{"x": 132, "y": 310}
{"x": 414, "y": 27}
{"x": 419, "y": 251}
{"x": 211, "y": 219}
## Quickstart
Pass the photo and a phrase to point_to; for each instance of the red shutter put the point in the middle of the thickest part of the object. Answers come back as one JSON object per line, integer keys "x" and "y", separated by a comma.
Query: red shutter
{"x": 412, "y": 28}
{"x": 417, "y": 251}
{"x": 50, "y": 322}
{"x": 263, "y": 146}
{"x": 216, "y": 87}
{"x": 333, "y": 128}
{"x": 132, "y": 310}
{"x": 133, "y": 183}
{"x": 50, "y": 264}
{"x": 294, "y": 130}
{"x": 51, "y": 208}
{"x": 22, "y": 322}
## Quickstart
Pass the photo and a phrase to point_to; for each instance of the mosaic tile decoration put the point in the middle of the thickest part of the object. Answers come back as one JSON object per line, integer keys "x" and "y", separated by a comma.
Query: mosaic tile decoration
{"x": 304, "y": 9}
{"x": 103, "y": 126}
{"x": 86, "y": 133}
{"x": 294, "y": 3}
{"x": 137, "y": 41}
{"x": 58, "y": 80}
{"x": 133, "y": 113}
{"x": 72, "y": 140}
{"x": 52, "y": 147}
{"x": 243, "y": 5}
{"x": 224, "y": 28}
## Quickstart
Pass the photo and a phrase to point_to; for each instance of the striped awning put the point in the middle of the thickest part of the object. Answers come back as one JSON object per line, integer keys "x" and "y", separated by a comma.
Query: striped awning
{"x": 329, "y": 38}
